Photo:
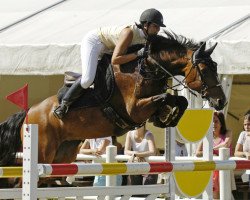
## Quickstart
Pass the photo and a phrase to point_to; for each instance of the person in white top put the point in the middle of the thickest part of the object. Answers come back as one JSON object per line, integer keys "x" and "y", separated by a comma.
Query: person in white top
{"x": 139, "y": 144}
{"x": 107, "y": 40}
{"x": 242, "y": 148}
{"x": 97, "y": 147}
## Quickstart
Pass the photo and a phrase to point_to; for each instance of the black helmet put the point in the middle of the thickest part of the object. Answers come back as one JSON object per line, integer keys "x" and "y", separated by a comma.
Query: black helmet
{"x": 152, "y": 15}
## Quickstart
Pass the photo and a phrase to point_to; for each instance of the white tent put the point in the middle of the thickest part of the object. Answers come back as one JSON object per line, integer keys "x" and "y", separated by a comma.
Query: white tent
{"x": 46, "y": 41}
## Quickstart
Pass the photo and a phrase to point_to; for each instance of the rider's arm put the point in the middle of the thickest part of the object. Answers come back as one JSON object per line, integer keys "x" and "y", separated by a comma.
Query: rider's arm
{"x": 119, "y": 55}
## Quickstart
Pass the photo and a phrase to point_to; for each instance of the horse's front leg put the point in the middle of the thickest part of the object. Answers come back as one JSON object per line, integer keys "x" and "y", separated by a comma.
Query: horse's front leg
{"x": 167, "y": 111}
{"x": 144, "y": 108}
{"x": 166, "y": 118}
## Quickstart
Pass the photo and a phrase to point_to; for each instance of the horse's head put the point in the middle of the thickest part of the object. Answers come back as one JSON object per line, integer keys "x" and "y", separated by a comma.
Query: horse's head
{"x": 176, "y": 56}
{"x": 204, "y": 78}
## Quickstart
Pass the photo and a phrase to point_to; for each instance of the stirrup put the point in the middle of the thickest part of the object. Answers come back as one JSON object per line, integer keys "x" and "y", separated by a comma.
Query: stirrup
{"x": 60, "y": 111}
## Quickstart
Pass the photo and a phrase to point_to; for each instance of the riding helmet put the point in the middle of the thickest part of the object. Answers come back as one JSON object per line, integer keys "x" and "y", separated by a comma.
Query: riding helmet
{"x": 152, "y": 15}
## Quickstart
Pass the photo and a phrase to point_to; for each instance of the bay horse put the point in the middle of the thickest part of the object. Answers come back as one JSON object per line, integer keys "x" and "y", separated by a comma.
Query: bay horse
{"x": 139, "y": 94}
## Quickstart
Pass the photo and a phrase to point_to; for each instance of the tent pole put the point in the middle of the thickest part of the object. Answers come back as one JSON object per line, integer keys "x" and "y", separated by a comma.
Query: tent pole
{"x": 234, "y": 24}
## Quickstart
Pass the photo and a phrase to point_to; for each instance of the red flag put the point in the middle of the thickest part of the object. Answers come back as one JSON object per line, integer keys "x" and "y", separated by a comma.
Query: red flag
{"x": 20, "y": 97}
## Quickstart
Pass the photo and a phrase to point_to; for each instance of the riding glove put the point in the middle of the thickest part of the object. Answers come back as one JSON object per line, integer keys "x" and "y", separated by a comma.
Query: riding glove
{"x": 142, "y": 53}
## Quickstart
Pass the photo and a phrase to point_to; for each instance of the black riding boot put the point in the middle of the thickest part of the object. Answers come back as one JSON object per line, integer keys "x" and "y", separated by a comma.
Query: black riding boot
{"x": 74, "y": 92}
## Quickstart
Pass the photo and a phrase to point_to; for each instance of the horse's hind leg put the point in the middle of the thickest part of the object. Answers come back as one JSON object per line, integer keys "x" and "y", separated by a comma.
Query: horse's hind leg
{"x": 67, "y": 152}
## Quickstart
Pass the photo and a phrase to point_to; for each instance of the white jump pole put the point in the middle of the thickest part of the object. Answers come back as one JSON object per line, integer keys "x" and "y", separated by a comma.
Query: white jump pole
{"x": 30, "y": 159}
{"x": 172, "y": 146}
{"x": 208, "y": 156}
{"x": 225, "y": 176}
{"x": 111, "y": 152}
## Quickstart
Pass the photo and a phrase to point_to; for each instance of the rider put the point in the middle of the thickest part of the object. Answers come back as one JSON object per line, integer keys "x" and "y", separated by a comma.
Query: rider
{"x": 106, "y": 40}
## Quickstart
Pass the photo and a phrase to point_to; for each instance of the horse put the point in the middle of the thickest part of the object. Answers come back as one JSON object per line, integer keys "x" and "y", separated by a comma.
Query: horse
{"x": 138, "y": 94}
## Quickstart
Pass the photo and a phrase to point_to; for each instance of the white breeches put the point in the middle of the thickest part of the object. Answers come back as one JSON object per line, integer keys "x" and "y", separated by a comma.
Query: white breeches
{"x": 91, "y": 49}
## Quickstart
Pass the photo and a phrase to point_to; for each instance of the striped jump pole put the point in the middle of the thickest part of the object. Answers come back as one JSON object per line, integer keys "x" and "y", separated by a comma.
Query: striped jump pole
{"x": 11, "y": 172}
{"x": 79, "y": 169}
{"x": 47, "y": 170}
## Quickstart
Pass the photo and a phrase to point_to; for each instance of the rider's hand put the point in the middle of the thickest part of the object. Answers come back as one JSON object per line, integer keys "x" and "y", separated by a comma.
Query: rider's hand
{"x": 142, "y": 53}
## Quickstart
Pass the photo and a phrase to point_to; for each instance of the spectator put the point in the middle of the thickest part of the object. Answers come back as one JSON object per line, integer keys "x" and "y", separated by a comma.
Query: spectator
{"x": 242, "y": 148}
{"x": 97, "y": 147}
{"x": 222, "y": 137}
{"x": 140, "y": 144}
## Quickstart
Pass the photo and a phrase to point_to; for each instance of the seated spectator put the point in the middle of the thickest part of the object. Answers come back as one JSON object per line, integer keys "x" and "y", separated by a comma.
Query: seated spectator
{"x": 97, "y": 147}
{"x": 222, "y": 138}
{"x": 242, "y": 148}
{"x": 140, "y": 144}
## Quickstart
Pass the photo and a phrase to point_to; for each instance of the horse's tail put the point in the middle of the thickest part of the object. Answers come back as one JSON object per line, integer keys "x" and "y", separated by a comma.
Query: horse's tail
{"x": 10, "y": 139}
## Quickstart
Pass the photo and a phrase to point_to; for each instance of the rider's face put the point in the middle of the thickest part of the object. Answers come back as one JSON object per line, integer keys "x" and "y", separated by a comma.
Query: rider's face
{"x": 152, "y": 29}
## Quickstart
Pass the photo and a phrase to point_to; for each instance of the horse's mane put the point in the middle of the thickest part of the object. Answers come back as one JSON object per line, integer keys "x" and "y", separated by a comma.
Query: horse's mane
{"x": 170, "y": 41}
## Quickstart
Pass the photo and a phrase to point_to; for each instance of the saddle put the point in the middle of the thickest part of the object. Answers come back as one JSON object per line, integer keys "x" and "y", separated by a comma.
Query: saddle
{"x": 101, "y": 90}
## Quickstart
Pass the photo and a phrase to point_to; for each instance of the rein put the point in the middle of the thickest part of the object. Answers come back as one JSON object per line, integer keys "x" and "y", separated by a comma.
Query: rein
{"x": 149, "y": 74}
{"x": 172, "y": 76}
{"x": 195, "y": 63}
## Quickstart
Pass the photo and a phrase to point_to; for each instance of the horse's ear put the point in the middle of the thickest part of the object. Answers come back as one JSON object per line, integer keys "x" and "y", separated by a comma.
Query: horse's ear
{"x": 211, "y": 49}
{"x": 201, "y": 49}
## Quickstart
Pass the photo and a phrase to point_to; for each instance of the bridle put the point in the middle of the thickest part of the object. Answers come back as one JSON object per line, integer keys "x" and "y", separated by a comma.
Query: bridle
{"x": 195, "y": 65}
{"x": 210, "y": 66}
{"x": 169, "y": 74}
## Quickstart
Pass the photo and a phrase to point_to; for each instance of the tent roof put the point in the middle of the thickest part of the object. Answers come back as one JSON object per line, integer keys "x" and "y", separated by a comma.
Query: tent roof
{"x": 48, "y": 42}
